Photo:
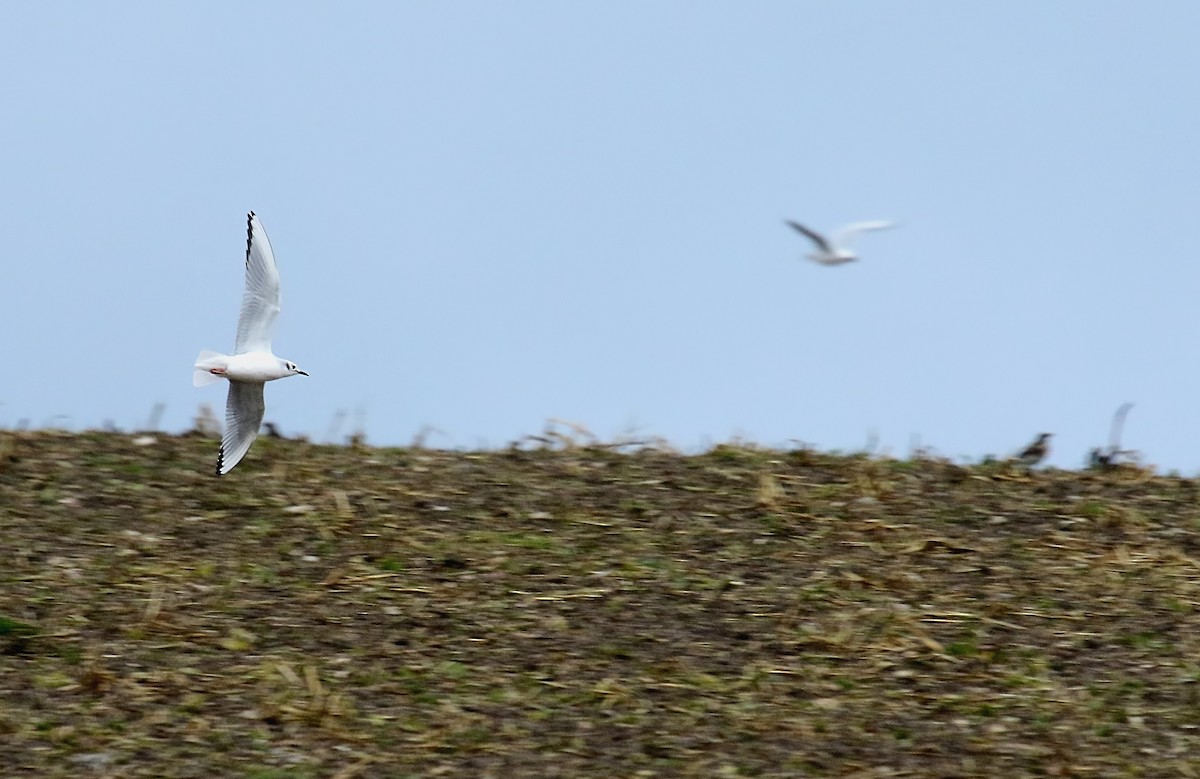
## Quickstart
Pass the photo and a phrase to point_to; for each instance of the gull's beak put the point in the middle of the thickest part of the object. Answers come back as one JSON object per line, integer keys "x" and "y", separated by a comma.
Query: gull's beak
{"x": 302, "y": 373}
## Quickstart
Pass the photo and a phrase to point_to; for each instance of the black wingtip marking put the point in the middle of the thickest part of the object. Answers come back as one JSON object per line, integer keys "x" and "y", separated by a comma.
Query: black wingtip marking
{"x": 813, "y": 236}
{"x": 798, "y": 228}
{"x": 249, "y": 235}
{"x": 220, "y": 459}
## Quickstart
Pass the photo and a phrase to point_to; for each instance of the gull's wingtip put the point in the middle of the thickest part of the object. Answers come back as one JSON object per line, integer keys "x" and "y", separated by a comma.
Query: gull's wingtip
{"x": 249, "y": 236}
{"x": 221, "y": 461}
{"x": 798, "y": 227}
{"x": 821, "y": 241}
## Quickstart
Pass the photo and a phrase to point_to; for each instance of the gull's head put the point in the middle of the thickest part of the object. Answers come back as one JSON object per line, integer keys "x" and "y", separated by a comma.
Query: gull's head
{"x": 291, "y": 368}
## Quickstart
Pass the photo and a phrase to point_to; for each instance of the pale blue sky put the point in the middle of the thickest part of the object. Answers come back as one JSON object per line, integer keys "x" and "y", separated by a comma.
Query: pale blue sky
{"x": 487, "y": 214}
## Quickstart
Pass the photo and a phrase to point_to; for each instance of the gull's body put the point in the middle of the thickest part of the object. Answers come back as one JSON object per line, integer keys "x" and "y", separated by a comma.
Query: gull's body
{"x": 835, "y": 250}
{"x": 253, "y": 363}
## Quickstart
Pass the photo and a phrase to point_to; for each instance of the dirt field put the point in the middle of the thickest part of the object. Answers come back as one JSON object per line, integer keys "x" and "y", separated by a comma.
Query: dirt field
{"x": 358, "y": 612}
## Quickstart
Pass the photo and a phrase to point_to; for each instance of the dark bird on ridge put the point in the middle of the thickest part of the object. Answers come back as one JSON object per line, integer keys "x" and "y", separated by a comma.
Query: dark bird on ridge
{"x": 1036, "y": 451}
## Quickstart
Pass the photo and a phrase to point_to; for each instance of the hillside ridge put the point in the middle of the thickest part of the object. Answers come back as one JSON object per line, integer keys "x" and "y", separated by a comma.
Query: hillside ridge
{"x": 577, "y": 611}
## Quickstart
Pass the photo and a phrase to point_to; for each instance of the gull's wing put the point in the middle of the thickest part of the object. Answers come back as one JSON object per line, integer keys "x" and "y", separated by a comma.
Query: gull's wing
{"x": 816, "y": 238}
{"x": 1114, "y": 434}
{"x": 260, "y": 301}
{"x": 243, "y": 416}
{"x": 844, "y": 235}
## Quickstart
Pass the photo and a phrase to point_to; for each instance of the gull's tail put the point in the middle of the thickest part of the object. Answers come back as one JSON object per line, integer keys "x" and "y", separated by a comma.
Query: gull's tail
{"x": 204, "y": 364}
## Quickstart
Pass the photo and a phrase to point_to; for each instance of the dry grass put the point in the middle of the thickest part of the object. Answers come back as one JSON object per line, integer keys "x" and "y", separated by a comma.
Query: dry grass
{"x": 334, "y": 612}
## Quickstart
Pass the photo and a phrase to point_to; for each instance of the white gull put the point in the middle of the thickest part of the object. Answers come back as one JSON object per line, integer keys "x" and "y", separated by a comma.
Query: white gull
{"x": 835, "y": 250}
{"x": 252, "y": 363}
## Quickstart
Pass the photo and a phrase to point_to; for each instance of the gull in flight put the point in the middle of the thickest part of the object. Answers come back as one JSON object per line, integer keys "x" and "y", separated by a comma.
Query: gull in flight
{"x": 252, "y": 363}
{"x": 836, "y": 250}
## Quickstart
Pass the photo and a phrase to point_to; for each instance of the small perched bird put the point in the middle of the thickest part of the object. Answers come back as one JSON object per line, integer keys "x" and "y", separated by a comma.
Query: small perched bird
{"x": 836, "y": 250}
{"x": 252, "y": 363}
{"x": 1037, "y": 451}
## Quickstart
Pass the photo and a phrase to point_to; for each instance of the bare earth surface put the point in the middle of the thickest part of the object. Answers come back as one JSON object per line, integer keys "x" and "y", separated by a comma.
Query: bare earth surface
{"x": 357, "y": 612}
